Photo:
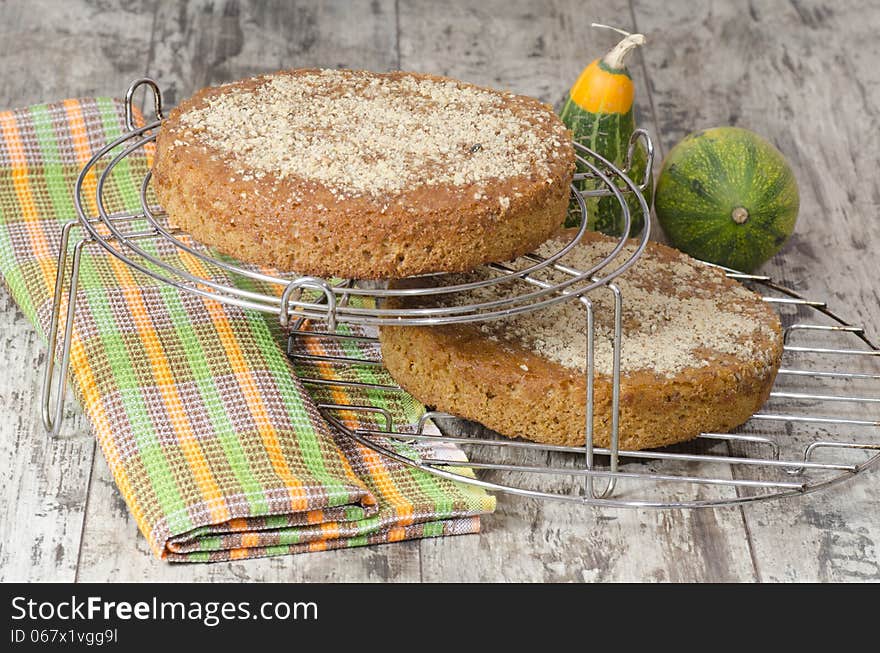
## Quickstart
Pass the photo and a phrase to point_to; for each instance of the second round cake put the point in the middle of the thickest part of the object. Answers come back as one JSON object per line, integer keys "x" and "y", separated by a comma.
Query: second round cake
{"x": 700, "y": 353}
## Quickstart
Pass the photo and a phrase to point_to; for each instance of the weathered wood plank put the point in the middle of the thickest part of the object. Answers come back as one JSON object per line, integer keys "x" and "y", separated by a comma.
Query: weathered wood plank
{"x": 548, "y": 541}
{"x": 51, "y": 50}
{"x": 539, "y": 49}
{"x": 202, "y": 43}
{"x": 45, "y": 480}
{"x": 791, "y": 72}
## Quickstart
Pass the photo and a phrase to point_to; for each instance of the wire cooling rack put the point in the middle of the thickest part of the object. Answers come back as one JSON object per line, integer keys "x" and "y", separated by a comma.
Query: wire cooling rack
{"x": 819, "y": 427}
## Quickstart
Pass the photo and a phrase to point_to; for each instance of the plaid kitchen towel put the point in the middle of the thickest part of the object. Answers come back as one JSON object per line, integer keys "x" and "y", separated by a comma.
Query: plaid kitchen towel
{"x": 216, "y": 447}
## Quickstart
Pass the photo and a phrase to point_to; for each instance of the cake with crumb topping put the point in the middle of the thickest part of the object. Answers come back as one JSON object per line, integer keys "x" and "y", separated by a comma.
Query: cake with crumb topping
{"x": 699, "y": 354}
{"x": 364, "y": 175}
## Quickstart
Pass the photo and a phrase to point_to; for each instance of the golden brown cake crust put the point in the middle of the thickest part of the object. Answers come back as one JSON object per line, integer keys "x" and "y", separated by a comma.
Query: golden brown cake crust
{"x": 519, "y": 392}
{"x": 279, "y": 215}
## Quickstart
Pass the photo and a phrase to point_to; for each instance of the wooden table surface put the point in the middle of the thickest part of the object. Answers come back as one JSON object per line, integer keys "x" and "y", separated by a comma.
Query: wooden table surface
{"x": 805, "y": 74}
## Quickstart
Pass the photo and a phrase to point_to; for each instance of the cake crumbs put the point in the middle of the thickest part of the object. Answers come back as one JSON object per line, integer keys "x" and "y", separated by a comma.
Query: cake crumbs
{"x": 677, "y": 314}
{"x": 366, "y": 133}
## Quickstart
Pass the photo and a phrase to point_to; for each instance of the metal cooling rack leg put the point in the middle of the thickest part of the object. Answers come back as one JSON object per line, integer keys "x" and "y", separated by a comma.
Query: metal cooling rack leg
{"x": 787, "y": 332}
{"x": 615, "y": 392}
{"x": 808, "y": 452}
{"x": 354, "y": 408}
{"x": 641, "y": 134}
{"x": 296, "y": 287}
{"x": 53, "y": 412}
{"x": 614, "y": 445}
{"x": 589, "y": 489}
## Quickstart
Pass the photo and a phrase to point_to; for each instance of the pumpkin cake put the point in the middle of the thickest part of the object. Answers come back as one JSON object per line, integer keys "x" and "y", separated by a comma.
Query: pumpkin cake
{"x": 364, "y": 175}
{"x": 700, "y": 353}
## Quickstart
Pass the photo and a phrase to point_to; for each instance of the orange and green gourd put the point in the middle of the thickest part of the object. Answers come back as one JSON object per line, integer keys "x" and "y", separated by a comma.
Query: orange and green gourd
{"x": 599, "y": 112}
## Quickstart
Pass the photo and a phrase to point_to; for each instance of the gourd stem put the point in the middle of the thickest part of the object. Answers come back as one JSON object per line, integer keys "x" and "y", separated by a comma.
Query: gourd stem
{"x": 739, "y": 215}
{"x": 615, "y": 58}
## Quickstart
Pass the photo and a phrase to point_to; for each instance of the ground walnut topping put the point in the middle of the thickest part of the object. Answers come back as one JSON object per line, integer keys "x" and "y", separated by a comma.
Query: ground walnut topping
{"x": 366, "y": 133}
{"x": 677, "y": 313}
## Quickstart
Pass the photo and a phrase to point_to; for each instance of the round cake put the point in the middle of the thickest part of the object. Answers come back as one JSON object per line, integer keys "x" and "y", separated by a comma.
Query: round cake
{"x": 364, "y": 175}
{"x": 699, "y": 354}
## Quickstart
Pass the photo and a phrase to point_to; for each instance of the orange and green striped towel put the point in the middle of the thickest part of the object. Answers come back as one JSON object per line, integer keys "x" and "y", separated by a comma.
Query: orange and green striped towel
{"x": 218, "y": 450}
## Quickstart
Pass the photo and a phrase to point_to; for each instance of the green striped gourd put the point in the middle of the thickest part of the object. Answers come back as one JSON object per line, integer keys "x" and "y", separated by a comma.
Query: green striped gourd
{"x": 727, "y": 196}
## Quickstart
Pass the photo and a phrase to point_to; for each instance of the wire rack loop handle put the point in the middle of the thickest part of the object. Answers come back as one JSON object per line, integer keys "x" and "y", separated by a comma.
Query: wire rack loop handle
{"x": 641, "y": 134}
{"x": 129, "y": 100}
{"x": 296, "y": 286}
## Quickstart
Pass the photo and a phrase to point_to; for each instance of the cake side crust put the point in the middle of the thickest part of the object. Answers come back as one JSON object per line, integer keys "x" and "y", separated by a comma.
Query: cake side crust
{"x": 293, "y": 223}
{"x": 519, "y": 392}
